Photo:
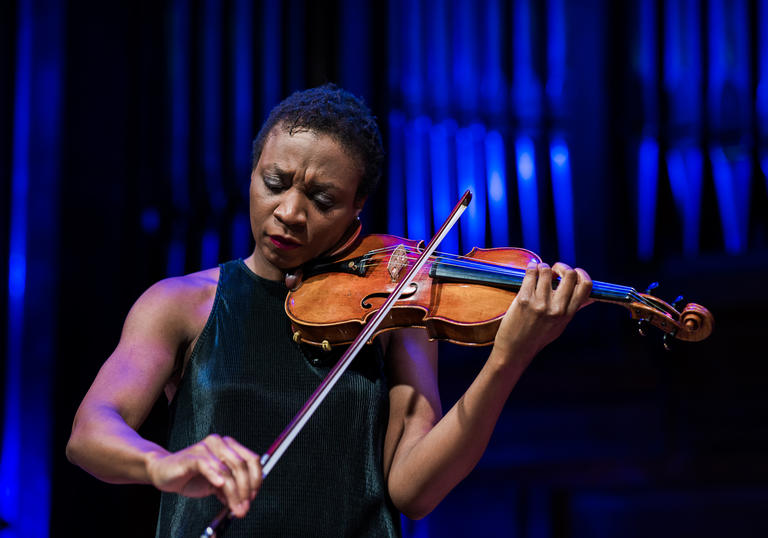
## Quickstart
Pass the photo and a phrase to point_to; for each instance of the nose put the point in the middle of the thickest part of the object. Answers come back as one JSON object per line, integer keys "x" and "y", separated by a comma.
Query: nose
{"x": 291, "y": 211}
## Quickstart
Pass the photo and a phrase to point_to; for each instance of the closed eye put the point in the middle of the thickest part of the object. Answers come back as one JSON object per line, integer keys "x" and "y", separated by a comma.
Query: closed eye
{"x": 323, "y": 201}
{"x": 273, "y": 183}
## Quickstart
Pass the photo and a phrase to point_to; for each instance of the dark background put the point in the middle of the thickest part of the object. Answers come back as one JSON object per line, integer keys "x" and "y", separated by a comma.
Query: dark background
{"x": 128, "y": 127}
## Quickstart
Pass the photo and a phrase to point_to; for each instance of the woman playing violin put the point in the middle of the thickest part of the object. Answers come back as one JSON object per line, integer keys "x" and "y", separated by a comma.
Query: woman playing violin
{"x": 218, "y": 343}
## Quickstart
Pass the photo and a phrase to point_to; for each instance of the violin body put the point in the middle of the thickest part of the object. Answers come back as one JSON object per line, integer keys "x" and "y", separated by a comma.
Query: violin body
{"x": 333, "y": 302}
{"x": 459, "y": 299}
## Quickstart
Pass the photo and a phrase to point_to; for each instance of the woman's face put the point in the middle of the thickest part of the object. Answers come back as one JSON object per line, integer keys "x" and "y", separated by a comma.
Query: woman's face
{"x": 302, "y": 200}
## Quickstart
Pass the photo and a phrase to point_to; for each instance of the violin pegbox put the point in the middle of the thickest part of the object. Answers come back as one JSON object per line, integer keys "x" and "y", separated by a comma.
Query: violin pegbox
{"x": 693, "y": 324}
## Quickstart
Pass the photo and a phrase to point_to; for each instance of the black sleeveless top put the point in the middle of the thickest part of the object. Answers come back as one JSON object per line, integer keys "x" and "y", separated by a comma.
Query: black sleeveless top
{"x": 246, "y": 378}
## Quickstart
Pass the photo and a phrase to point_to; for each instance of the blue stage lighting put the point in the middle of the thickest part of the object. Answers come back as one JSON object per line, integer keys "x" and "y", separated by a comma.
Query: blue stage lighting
{"x": 562, "y": 193}
{"x": 527, "y": 188}
{"x": 684, "y": 167}
{"x": 470, "y": 174}
{"x": 417, "y": 178}
{"x": 442, "y": 137}
{"x": 496, "y": 170}
{"x": 732, "y": 179}
{"x": 647, "y": 186}
{"x": 209, "y": 253}
{"x": 396, "y": 177}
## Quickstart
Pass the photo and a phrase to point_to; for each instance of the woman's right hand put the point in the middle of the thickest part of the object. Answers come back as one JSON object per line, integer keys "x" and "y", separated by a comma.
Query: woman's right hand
{"x": 216, "y": 465}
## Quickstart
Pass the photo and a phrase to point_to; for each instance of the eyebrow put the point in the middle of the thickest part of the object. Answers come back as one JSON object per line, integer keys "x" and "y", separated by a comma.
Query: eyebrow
{"x": 275, "y": 169}
{"x": 321, "y": 185}
{"x": 315, "y": 183}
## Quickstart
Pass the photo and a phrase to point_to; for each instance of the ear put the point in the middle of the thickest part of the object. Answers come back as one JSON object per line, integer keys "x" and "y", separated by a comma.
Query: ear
{"x": 359, "y": 205}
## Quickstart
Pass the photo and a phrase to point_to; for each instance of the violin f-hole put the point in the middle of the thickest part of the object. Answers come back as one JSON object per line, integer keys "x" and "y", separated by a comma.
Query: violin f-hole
{"x": 413, "y": 288}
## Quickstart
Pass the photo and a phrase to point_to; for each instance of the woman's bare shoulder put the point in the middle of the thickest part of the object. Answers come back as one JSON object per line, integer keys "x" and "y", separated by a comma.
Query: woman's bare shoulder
{"x": 188, "y": 290}
{"x": 180, "y": 304}
{"x": 190, "y": 287}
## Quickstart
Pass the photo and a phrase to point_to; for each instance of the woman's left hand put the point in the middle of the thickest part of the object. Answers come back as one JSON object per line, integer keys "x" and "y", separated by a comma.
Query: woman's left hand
{"x": 539, "y": 314}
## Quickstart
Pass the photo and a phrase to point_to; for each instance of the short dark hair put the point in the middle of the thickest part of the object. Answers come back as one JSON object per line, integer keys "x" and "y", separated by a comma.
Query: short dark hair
{"x": 335, "y": 112}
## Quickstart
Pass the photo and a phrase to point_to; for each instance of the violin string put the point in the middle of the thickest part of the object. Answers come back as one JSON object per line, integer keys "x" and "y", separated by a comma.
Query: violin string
{"x": 613, "y": 291}
{"x": 455, "y": 260}
{"x": 654, "y": 305}
{"x": 464, "y": 262}
{"x": 492, "y": 268}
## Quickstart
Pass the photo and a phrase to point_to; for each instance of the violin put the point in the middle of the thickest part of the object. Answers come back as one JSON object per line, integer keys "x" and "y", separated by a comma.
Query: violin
{"x": 460, "y": 299}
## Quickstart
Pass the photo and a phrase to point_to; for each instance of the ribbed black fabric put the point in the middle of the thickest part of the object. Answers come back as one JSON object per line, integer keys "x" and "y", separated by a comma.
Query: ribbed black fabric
{"x": 247, "y": 378}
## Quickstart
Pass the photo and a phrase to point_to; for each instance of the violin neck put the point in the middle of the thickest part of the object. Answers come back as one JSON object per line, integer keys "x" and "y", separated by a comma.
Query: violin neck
{"x": 475, "y": 272}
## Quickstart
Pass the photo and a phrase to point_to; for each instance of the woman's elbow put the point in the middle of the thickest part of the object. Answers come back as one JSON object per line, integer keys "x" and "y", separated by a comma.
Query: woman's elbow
{"x": 74, "y": 445}
{"x": 415, "y": 510}
{"x": 412, "y": 504}
{"x": 78, "y": 443}
{"x": 71, "y": 451}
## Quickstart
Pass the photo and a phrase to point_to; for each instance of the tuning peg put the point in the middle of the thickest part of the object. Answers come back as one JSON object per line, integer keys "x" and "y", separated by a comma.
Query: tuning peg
{"x": 651, "y": 287}
{"x": 642, "y": 327}
{"x": 677, "y": 303}
{"x": 667, "y": 341}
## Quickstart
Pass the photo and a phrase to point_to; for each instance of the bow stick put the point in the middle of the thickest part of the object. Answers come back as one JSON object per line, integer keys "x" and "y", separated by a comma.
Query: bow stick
{"x": 272, "y": 455}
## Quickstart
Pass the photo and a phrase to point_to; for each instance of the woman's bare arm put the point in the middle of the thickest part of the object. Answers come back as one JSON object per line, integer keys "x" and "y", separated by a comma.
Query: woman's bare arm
{"x": 158, "y": 331}
{"x": 426, "y": 455}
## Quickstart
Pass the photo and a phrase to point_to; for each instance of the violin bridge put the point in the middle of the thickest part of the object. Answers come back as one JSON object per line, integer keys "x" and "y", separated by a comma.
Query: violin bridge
{"x": 397, "y": 261}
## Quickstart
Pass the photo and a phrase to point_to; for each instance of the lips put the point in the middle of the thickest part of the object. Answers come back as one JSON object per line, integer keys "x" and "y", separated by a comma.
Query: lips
{"x": 285, "y": 243}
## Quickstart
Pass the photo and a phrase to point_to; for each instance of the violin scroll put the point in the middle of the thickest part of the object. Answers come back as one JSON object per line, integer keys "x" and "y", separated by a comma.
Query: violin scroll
{"x": 693, "y": 324}
{"x": 697, "y": 323}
